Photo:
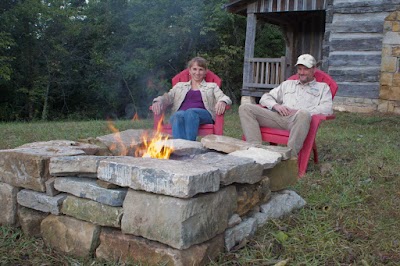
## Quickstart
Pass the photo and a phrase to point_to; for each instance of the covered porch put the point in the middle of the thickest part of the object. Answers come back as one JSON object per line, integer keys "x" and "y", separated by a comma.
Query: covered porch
{"x": 302, "y": 23}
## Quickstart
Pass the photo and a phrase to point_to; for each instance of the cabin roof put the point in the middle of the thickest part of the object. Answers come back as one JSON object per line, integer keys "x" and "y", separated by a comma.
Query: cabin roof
{"x": 272, "y": 6}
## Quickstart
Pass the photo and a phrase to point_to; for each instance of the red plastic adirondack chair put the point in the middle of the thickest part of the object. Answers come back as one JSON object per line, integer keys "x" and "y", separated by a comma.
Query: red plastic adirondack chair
{"x": 278, "y": 136}
{"x": 206, "y": 129}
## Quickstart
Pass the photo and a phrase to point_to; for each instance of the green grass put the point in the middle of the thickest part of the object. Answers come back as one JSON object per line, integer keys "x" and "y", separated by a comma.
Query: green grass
{"x": 352, "y": 213}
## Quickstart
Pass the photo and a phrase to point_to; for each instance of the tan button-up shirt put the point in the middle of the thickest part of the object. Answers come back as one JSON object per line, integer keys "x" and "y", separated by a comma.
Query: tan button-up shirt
{"x": 314, "y": 96}
{"x": 210, "y": 94}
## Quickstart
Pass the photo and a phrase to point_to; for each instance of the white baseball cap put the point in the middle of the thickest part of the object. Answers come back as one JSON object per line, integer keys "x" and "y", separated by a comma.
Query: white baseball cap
{"x": 306, "y": 60}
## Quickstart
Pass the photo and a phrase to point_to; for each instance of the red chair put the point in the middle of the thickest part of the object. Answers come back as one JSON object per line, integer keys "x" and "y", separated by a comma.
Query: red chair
{"x": 206, "y": 129}
{"x": 279, "y": 136}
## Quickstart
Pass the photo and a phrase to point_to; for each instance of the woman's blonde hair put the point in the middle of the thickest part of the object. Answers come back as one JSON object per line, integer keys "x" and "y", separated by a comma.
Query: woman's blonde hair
{"x": 201, "y": 62}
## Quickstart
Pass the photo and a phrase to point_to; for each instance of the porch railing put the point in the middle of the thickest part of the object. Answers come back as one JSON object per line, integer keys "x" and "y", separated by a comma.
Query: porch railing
{"x": 265, "y": 73}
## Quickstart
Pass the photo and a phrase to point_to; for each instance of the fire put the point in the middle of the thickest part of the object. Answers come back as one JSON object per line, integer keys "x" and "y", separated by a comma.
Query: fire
{"x": 135, "y": 117}
{"x": 123, "y": 150}
{"x": 153, "y": 146}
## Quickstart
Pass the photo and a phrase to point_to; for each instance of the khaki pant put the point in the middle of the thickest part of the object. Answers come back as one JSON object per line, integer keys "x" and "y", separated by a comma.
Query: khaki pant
{"x": 253, "y": 116}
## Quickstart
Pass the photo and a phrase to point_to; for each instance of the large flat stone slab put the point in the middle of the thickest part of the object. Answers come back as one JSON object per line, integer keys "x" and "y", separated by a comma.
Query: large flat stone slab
{"x": 87, "y": 148}
{"x": 179, "y": 223}
{"x": 183, "y": 147}
{"x": 169, "y": 177}
{"x": 224, "y": 143}
{"x": 28, "y": 167}
{"x": 228, "y": 145}
{"x": 89, "y": 189}
{"x": 268, "y": 159}
{"x": 233, "y": 169}
{"x": 75, "y": 165}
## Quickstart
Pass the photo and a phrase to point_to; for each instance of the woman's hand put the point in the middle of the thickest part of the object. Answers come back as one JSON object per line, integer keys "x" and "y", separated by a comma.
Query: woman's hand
{"x": 156, "y": 108}
{"x": 220, "y": 107}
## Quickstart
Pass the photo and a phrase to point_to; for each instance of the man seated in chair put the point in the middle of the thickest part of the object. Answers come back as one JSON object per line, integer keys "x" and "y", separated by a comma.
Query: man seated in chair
{"x": 289, "y": 106}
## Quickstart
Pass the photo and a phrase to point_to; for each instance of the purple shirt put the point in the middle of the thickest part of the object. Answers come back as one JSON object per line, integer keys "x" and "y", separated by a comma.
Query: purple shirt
{"x": 192, "y": 100}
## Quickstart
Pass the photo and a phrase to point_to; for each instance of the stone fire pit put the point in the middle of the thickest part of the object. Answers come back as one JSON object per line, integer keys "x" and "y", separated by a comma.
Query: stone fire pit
{"x": 84, "y": 200}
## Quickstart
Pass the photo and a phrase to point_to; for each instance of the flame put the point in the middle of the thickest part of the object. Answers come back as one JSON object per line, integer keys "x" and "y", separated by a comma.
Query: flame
{"x": 123, "y": 151}
{"x": 153, "y": 147}
{"x": 135, "y": 117}
{"x": 156, "y": 146}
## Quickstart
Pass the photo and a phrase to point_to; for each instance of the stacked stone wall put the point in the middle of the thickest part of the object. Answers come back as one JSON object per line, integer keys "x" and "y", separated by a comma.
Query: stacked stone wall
{"x": 184, "y": 211}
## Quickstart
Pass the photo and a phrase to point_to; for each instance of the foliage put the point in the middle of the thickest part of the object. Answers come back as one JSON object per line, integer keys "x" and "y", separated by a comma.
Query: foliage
{"x": 98, "y": 59}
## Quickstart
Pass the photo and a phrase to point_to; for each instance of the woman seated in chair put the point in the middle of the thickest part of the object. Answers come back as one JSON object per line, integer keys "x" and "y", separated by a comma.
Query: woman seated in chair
{"x": 193, "y": 103}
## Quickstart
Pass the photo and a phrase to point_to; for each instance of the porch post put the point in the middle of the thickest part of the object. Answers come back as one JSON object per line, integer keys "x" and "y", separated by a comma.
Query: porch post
{"x": 249, "y": 51}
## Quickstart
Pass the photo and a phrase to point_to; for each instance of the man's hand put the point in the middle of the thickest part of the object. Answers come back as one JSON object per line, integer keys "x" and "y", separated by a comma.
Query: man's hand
{"x": 283, "y": 110}
{"x": 220, "y": 107}
{"x": 156, "y": 108}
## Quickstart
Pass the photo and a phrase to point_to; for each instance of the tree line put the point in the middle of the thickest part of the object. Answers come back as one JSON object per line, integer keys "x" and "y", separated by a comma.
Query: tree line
{"x": 97, "y": 59}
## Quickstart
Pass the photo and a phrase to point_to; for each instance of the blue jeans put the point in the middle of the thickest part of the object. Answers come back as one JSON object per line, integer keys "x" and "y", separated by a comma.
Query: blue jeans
{"x": 185, "y": 124}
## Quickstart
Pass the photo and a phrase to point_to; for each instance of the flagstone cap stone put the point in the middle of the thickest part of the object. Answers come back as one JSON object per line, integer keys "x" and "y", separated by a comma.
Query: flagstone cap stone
{"x": 28, "y": 167}
{"x": 268, "y": 159}
{"x": 183, "y": 147}
{"x": 233, "y": 168}
{"x": 75, "y": 165}
{"x": 55, "y": 145}
{"x": 180, "y": 179}
{"x": 228, "y": 145}
{"x": 89, "y": 189}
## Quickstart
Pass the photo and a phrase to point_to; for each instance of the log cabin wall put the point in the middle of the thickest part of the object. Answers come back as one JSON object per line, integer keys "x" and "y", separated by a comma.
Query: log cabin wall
{"x": 352, "y": 51}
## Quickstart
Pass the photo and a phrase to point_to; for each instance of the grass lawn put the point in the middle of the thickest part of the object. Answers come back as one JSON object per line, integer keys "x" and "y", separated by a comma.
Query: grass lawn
{"x": 353, "y": 197}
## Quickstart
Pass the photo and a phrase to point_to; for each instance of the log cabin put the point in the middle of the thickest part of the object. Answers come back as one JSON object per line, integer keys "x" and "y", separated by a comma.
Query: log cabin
{"x": 357, "y": 42}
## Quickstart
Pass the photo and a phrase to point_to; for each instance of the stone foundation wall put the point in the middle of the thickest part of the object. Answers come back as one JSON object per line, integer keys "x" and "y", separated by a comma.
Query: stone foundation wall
{"x": 85, "y": 201}
{"x": 364, "y": 105}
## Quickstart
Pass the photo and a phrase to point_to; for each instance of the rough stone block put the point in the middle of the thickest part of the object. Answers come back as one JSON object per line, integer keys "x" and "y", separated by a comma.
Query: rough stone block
{"x": 250, "y": 196}
{"x": 233, "y": 169}
{"x": 389, "y": 93}
{"x": 8, "y": 203}
{"x": 179, "y": 223}
{"x": 282, "y": 203}
{"x": 50, "y": 190}
{"x": 283, "y": 175}
{"x": 240, "y": 232}
{"x": 71, "y": 236}
{"x": 89, "y": 189}
{"x": 28, "y": 167}
{"x": 40, "y": 201}
{"x": 91, "y": 211}
{"x": 119, "y": 247}
{"x": 30, "y": 221}
{"x": 169, "y": 177}
{"x": 386, "y": 79}
{"x": 389, "y": 64}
